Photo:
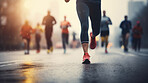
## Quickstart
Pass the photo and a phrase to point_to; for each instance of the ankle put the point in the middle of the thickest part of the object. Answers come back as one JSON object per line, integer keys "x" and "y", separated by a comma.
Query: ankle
{"x": 85, "y": 53}
{"x": 92, "y": 35}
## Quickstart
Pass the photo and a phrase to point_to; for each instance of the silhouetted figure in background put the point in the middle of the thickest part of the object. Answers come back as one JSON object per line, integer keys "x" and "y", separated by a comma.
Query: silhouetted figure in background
{"x": 126, "y": 27}
{"x": 65, "y": 33}
{"x": 75, "y": 42}
{"x": 49, "y": 21}
{"x": 85, "y": 9}
{"x": 137, "y": 33}
{"x": 105, "y": 22}
{"x": 26, "y": 31}
{"x": 74, "y": 36}
{"x": 38, "y": 31}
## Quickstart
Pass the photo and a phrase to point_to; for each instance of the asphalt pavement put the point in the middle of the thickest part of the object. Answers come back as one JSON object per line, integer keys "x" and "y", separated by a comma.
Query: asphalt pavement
{"x": 57, "y": 67}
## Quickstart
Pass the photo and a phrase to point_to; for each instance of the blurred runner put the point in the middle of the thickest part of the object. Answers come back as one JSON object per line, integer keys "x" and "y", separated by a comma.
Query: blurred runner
{"x": 85, "y": 9}
{"x": 65, "y": 33}
{"x": 74, "y": 43}
{"x": 49, "y": 21}
{"x": 105, "y": 22}
{"x": 26, "y": 31}
{"x": 74, "y": 36}
{"x": 38, "y": 31}
{"x": 137, "y": 33}
{"x": 126, "y": 27}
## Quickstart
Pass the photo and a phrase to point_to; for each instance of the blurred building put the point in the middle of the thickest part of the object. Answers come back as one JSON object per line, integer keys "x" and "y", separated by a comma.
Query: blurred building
{"x": 134, "y": 7}
{"x": 142, "y": 16}
{"x": 10, "y": 21}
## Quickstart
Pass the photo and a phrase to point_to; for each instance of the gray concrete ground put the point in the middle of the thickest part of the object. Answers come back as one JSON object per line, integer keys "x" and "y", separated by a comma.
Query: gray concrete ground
{"x": 114, "y": 67}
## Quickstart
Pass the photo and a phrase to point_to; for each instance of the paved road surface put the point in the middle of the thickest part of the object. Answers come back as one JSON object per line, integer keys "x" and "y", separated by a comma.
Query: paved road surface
{"x": 115, "y": 67}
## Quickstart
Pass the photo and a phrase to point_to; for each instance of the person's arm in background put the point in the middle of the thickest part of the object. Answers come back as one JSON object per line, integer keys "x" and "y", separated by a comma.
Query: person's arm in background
{"x": 69, "y": 25}
{"x": 54, "y": 21}
{"x": 130, "y": 25}
{"x": 21, "y": 32}
{"x": 44, "y": 21}
{"x": 61, "y": 25}
{"x": 109, "y": 21}
{"x": 32, "y": 30}
{"x": 133, "y": 30}
{"x": 41, "y": 29}
{"x": 121, "y": 25}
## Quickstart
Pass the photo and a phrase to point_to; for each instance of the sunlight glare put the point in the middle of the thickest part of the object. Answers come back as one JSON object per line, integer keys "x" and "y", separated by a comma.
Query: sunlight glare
{"x": 36, "y": 9}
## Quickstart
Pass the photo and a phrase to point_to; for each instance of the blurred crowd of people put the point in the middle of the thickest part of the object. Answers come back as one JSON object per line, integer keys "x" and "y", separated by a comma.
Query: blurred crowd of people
{"x": 49, "y": 21}
{"x": 100, "y": 25}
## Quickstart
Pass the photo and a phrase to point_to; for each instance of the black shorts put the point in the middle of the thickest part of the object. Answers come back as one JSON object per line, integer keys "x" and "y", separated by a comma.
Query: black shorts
{"x": 104, "y": 33}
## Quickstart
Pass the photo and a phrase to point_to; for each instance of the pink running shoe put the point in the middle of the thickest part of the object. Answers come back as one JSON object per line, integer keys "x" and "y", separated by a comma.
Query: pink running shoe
{"x": 93, "y": 42}
{"x": 86, "y": 59}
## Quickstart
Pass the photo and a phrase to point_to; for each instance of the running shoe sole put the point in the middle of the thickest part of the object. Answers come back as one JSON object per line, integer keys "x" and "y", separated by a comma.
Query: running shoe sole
{"x": 86, "y": 62}
{"x": 93, "y": 42}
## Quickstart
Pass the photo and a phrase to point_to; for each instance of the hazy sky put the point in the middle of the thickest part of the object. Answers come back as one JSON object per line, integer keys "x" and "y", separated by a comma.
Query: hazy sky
{"x": 116, "y": 9}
